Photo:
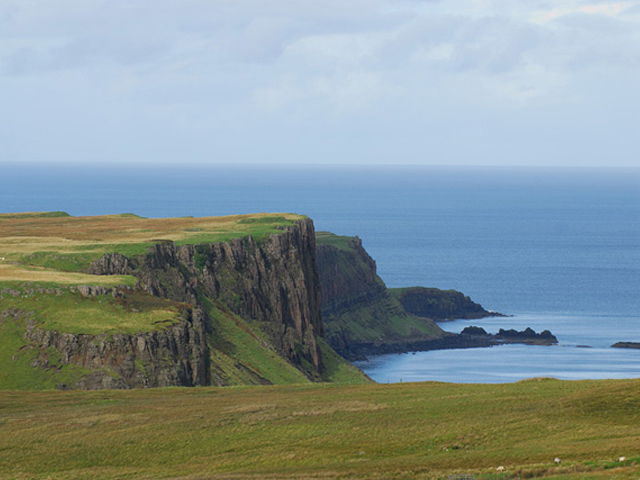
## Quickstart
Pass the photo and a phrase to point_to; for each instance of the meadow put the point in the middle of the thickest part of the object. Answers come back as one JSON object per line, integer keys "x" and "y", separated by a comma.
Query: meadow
{"x": 318, "y": 431}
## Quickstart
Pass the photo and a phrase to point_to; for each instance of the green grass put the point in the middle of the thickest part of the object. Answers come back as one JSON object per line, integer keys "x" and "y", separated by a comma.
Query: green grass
{"x": 313, "y": 431}
{"x": 380, "y": 316}
{"x": 241, "y": 352}
{"x": 70, "y": 312}
{"x": 339, "y": 241}
{"x": 258, "y": 228}
{"x": 57, "y": 214}
{"x": 66, "y": 311}
{"x": 16, "y": 372}
{"x": 243, "y": 355}
{"x": 337, "y": 370}
{"x": 83, "y": 256}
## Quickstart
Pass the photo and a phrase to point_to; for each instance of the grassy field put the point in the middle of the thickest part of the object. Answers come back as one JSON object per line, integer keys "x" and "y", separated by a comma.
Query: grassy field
{"x": 58, "y": 243}
{"x": 319, "y": 431}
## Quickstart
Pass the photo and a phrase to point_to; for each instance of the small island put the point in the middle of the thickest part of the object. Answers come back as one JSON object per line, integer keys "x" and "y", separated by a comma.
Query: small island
{"x": 527, "y": 336}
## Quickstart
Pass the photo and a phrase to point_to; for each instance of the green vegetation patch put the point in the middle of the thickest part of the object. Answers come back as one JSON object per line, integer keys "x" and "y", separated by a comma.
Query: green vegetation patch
{"x": 16, "y": 356}
{"x": 258, "y": 228}
{"x": 312, "y": 431}
{"x": 269, "y": 220}
{"x": 339, "y": 241}
{"x": 381, "y": 318}
{"x": 337, "y": 369}
{"x": 83, "y": 256}
{"x": 68, "y": 311}
{"x": 242, "y": 353}
{"x": 70, "y": 244}
{"x": 57, "y": 214}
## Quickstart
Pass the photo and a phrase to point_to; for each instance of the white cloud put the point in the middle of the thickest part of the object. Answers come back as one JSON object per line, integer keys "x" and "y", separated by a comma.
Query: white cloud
{"x": 173, "y": 66}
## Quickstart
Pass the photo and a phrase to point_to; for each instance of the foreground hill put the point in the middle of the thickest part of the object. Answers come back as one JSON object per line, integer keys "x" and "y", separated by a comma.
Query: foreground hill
{"x": 123, "y": 301}
{"x": 314, "y": 431}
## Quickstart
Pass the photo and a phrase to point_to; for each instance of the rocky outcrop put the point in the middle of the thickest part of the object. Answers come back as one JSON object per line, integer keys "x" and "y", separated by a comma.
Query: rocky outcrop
{"x": 440, "y": 305}
{"x": 348, "y": 277}
{"x": 274, "y": 281}
{"x": 175, "y": 355}
{"x": 527, "y": 336}
{"x": 633, "y": 345}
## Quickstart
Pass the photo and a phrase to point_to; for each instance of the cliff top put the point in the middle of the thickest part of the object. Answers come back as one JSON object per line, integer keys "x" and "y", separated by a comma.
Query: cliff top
{"x": 341, "y": 242}
{"x": 47, "y": 246}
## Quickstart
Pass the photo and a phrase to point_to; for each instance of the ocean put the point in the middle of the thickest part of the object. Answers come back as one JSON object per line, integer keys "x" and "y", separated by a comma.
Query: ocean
{"x": 557, "y": 249}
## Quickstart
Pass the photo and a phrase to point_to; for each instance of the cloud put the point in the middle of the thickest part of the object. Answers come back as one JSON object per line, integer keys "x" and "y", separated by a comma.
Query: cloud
{"x": 374, "y": 66}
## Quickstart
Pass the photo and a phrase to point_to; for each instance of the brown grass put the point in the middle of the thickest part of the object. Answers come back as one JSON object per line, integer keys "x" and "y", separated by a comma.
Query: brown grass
{"x": 25, "y": 234}
{"x": 31, "y": 234}
{"x": 18, "y": 273}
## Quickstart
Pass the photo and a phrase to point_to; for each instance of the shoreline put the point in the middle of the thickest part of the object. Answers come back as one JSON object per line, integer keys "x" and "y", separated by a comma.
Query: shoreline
{"x": 449, "y": 341}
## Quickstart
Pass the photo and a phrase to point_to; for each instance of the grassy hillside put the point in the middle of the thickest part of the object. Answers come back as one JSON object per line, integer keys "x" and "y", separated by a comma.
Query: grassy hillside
{"x": 64, "y": 309}
{"x": 409, "y": 431}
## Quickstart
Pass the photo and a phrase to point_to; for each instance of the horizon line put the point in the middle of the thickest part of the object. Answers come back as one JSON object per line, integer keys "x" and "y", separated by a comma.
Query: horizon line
{"x": 122, "y": 163}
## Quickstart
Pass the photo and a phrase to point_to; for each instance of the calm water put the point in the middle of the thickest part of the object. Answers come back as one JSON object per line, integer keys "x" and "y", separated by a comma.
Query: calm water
{"x": 558, "y": 249}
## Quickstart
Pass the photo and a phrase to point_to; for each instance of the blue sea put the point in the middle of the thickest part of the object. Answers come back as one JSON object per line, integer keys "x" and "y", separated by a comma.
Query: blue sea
{"x": 557, "y": 249}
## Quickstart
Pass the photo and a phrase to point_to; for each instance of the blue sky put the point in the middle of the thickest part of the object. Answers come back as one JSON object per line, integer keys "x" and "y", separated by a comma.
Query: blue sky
{"x": 486, "y": 82}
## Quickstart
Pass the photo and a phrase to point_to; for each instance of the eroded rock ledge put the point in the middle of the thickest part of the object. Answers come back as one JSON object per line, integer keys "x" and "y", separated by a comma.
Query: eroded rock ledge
{"x": 176, "y": 355}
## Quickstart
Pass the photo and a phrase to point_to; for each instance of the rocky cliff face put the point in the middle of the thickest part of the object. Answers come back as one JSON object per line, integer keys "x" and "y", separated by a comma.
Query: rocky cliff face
{"x": 274, "y": 282}
{"x": 439, "y": 304}
{"x": 348, "y": 277}
{"x": 176, "y": 355}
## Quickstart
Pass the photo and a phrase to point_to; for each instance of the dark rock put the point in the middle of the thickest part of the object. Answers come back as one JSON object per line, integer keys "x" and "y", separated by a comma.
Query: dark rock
{"x": 528, "y": 335}
{"x": 440, "y": 305}
{"x": 634, "y": 345}
{"x": 471, "y": 330}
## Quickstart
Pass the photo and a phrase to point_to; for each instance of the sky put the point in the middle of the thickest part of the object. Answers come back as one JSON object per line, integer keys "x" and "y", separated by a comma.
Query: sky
{"x": 456, "y": 82}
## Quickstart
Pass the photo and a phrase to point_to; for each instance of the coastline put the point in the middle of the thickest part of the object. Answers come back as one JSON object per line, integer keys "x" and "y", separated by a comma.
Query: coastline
{"x": 449, "y": 341}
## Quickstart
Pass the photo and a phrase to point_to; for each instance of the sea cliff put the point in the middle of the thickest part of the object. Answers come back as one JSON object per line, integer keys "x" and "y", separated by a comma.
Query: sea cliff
{"x": 360, "y": 314}
{"x": 244, "y": 310}
{"x": 274, "y": 282}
